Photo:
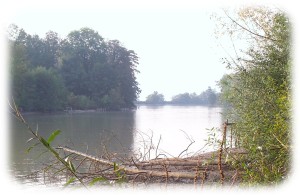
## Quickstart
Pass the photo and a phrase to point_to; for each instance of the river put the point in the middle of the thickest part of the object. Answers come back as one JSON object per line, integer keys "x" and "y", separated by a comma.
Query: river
{"x": 166, "y": 130}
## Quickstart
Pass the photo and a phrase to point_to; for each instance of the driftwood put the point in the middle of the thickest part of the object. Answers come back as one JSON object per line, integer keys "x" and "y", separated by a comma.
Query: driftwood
{"x": 204, "y": 166}
{"x": 131, "y": 170}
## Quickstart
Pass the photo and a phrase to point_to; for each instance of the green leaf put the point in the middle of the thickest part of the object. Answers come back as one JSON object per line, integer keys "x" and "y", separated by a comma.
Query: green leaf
{"x": 71, "y": 180}
{"x": 97, "y": 179}
{"x": 115, "y": 166}
{"x": 71, "y": 166}
{"x": 53, "y": 135}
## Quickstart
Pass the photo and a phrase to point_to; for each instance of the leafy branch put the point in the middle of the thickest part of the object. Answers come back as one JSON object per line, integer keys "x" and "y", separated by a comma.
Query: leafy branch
{"x": 46, "y": 143}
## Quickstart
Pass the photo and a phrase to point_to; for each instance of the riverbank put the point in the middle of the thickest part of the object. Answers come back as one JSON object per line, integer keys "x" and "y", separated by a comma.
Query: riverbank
{"x": 79, "y": 111}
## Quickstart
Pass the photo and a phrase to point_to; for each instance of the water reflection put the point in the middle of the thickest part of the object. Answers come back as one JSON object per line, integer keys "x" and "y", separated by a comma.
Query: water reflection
{"x": 86, "y": 132}
{"x": 173, "y": 128}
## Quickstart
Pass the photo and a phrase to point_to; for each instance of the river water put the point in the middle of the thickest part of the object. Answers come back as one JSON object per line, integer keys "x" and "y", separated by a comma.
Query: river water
{"x": 162, "y": 130}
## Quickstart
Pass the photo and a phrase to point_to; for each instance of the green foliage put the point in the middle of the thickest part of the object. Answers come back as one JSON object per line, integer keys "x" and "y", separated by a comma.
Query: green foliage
{"x": 121, "y": 176}
{"x": 213, "y": 138}
{"x": 71, "y": 180}
{"x": 81, "y": 71}
{"x": 155, "y": 98}
{"x": 258, "y": 96}
{"x": 80, "y": 102}
{"x": 46, "y": 143}
{"x": 207, "y": 97}
{"x": 53, "y": 136}
{"x": 70, "y": 164}
{"x": 97, "y": 179}
{"x": 43, "y": 90}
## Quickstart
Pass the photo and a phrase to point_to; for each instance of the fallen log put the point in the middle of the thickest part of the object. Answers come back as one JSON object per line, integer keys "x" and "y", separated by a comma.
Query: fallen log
{"x": 131, "y": 170}
{"x": 195, "y": 163}
{"x": 100, "y": 160}
{"x": 209, "y": 158}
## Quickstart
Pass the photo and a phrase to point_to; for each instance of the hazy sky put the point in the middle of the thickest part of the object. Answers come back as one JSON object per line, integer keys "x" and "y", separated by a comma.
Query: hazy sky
{"x": 176, "y": 47}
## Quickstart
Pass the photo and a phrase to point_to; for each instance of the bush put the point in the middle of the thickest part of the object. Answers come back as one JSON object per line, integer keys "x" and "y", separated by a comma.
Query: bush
{"x": 80, "y": 102}
{"x": 259, "y": 97}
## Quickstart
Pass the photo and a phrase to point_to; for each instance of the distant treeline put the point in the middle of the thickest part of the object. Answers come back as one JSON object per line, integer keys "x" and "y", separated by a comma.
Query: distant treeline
{"x": 82, "y": 71}
{"x": 208, "y": 97}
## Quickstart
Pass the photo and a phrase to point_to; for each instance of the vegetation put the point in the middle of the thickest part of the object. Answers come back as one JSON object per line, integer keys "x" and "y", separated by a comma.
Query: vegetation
{"x": 155, "y": 98}
{"x": 258, "y": 92}
{"x": 38, "y": 139}
{"x": 208, "y": 97}
{"x": 81, "y": 71}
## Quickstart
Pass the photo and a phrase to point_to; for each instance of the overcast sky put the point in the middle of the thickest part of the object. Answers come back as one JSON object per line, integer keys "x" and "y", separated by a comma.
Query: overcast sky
{"x": 176, "y": 47}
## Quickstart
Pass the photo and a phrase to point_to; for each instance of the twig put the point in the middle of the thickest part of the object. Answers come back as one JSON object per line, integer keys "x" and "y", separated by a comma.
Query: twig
{"x": 196, "y": 175}
{"x": 246, "y": 29}
{"x": 134, "y": 163}
{"x": 204, "y": 176}
{"x": 127, "y": 169}
{"x": 167, "y": 173}
{"x": 191, "y": 142}
{"x": 186, "y": 148}
{"x": 234, "y": 177}
{"x": 157, "y": 146}
{"x": 221, "y": 152}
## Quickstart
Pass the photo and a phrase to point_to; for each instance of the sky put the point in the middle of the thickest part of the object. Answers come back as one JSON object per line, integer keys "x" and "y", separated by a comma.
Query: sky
{"x": 177, "y": 48}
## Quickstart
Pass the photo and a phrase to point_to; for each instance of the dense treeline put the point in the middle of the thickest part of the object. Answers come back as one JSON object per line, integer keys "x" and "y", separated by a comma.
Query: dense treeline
{"x": 208, "y": 97}
{"x": 81, "y": 71}
{"x": 258, "y": 93}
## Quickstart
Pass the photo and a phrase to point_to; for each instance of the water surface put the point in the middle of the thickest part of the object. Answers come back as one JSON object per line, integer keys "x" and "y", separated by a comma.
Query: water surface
{"x": 171, "y": 128}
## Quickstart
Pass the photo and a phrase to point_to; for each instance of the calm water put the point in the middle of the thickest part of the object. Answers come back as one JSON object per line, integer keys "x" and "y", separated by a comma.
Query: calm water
{"x": 171, "y": 128}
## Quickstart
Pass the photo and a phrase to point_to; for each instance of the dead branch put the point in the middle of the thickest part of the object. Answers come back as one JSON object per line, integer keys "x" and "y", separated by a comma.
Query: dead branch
{"x": 223, "y": 142}
{"x": 128, "y": 169}
{"x": 204, "y": 166}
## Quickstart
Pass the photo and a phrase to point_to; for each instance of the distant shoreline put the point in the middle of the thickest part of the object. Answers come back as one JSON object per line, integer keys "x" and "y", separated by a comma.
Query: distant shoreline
{"x": 173, "y": 104}
{"x": 100, "y": 110}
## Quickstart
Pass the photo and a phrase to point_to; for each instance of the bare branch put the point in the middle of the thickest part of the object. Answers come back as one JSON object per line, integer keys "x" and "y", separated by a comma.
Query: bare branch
{"x": 248, "y": 30}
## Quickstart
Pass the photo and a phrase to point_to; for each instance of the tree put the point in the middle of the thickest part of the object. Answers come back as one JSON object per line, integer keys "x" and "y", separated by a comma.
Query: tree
{"x": 43, "y": 91}
{"x": 52, "y": 44}
{"x": 259, "y": 93}
{"x": 98, "y": 69}
{"x": 93, "y": 73}
{"x": 124, "y": 64}
{"x": 18, "y": 68}
{"x": 155, "y": 98}
{"x": 182, "y": 98}
{"x": 208, "y": 97}
{"x": 39, "y": 52}
{"x": 84, "y": 46}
